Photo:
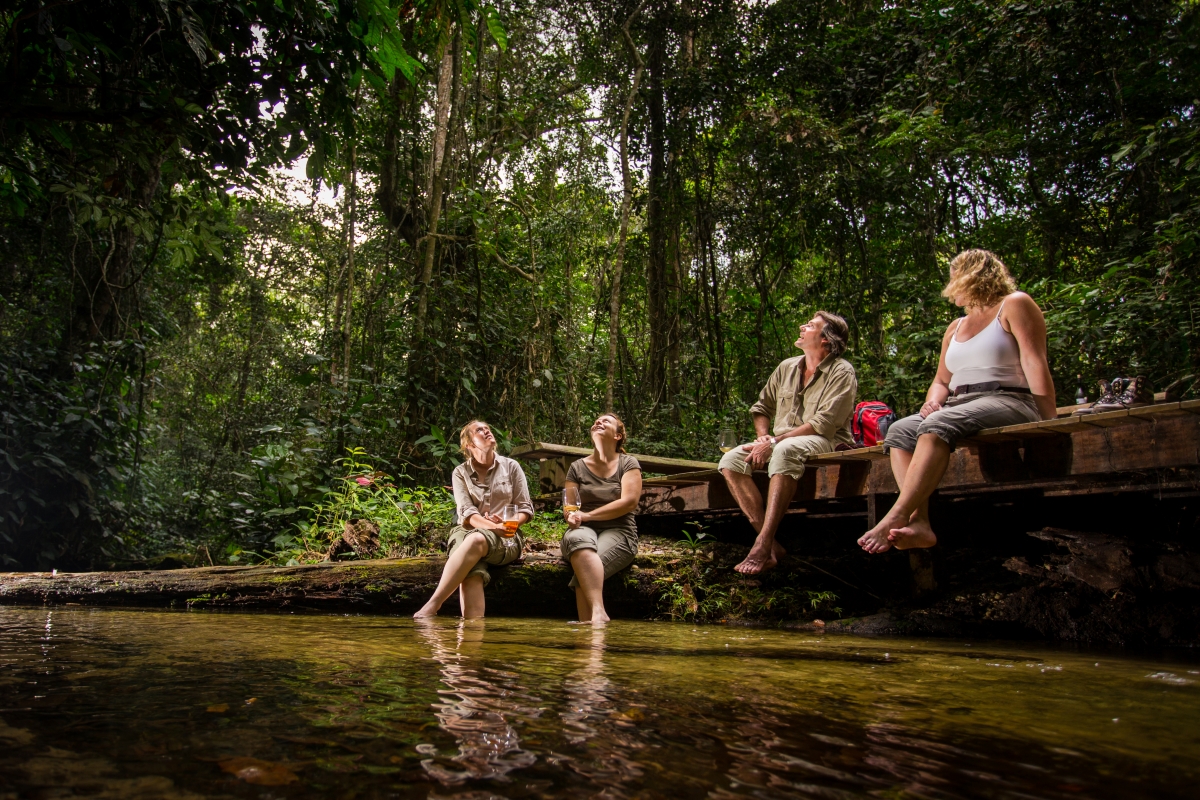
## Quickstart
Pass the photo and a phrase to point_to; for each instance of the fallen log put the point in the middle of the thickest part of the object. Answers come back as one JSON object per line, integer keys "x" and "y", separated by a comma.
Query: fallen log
{"x": 535, "y": 586}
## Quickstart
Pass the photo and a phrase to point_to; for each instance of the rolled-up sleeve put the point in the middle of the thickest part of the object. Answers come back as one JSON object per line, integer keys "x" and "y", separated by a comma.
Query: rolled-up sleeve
{"x": 768, "y": 397}
{"x": 462, "y": 498}
{"x": 836, "y": 403}
{"x": 520, "y": 490}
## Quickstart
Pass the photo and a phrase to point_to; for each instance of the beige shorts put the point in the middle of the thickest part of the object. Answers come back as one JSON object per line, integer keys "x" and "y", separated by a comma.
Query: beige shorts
{"x": 617, "y": 548}
{"x": 501, "y": 550}
{"x": 787, "y": 457}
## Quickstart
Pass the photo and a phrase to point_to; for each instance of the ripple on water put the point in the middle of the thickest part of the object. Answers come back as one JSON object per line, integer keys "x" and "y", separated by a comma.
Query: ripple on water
{"x": 104, "y": 703}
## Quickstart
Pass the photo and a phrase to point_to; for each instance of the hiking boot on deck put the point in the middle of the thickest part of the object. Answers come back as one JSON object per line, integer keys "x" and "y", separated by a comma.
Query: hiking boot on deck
{"x": 1127, "y": 393}
{"x": 1138, "y": 392}
{"x": 1107, "y": 399}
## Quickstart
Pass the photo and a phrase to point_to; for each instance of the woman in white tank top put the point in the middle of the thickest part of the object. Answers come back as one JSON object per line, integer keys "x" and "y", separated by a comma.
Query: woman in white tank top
{"x": 992, "y": 372}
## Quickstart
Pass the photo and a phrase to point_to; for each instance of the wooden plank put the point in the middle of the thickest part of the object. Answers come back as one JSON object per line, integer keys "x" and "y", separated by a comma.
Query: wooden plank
{"x": 1159, "y": 411}
{"x": 1108, "y": 419}
{"x": 540, "y": 450}
{"x": 668, "y": 466}
{"x": 855, "y": 456}
{"x": 1066, "y": 425}
{"x": 1066, "y": 411}
{"x": 1190, "y": 406}
{"x": 683, "y": 478}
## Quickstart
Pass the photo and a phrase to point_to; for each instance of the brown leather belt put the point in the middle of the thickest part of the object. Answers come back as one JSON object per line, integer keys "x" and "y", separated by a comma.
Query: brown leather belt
{"x": 990, "y": 386}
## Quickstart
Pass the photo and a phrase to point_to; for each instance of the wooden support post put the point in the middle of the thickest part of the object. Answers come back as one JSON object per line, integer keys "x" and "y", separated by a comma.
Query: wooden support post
{"x": 852, "y": 479}
{"x": 920, "y": 562}
{"x": 552, "y": 474}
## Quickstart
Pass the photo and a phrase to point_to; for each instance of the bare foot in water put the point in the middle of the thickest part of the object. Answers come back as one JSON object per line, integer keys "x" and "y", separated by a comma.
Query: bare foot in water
{"x": 913, "y": 535}
{"x": 759, "y": 559}
{"x": 426, "y": 612}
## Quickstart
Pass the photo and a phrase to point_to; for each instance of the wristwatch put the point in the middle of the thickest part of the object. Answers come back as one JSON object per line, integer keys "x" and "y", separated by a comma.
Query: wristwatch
{"x": 774, "y": 441}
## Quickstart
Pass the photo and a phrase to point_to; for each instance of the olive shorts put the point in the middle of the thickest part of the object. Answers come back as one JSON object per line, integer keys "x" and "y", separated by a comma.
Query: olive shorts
{"x": 787, "y": 457}
{"x": 501, "y": 550}
{"x": 963, "y": 416}
{"x": 617, "y": 547}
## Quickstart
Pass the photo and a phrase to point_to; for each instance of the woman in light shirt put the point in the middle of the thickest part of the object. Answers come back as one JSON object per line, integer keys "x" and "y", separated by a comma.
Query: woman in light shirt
{"x": 992, "y": 372}
{"x": 483, "y": 485}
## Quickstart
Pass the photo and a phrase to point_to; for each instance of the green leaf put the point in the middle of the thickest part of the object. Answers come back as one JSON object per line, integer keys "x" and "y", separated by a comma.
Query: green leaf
{"x": 496, "y": 27}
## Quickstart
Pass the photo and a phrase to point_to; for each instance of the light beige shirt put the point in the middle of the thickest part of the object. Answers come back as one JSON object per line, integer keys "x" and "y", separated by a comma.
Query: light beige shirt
{"x": 827, "y": 403}
{"x": 501, "y": 485}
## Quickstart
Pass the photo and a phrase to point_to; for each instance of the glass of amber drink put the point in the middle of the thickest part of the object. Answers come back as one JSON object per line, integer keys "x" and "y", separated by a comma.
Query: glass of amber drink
{"x": 512, "y": 521}
{"x": 570, "y": 499}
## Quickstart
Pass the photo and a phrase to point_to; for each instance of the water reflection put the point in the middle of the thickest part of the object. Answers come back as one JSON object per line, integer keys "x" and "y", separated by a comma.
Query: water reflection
{"x": 475, "y": 704}
{"x": 108, "y": 701}
{"x": 594, "y": 721}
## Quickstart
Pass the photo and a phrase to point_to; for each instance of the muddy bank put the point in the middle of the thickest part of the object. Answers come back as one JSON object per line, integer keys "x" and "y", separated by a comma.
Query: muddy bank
{"x": 1050, "y": 584}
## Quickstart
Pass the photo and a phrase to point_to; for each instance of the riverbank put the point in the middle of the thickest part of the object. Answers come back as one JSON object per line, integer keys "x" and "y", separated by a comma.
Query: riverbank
{"x": 1053, "y": 584}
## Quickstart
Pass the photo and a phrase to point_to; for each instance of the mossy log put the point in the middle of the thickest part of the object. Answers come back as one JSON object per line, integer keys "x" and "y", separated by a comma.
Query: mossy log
{"x": 535, "y": 586}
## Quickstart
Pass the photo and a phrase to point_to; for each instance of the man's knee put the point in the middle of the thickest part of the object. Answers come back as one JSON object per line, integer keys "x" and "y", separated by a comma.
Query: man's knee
{"x": 783, "y": 480}
{"x": 731, "y": 474}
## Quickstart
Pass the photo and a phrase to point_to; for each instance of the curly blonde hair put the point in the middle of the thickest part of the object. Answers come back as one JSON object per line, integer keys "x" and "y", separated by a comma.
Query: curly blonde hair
{"x": 979, "y": 276}
{"x": 464, "y": 436}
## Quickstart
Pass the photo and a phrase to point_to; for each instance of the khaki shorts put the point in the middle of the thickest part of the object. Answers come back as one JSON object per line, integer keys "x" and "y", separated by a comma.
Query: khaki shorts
{"x": 617, "y": 548}
{"x": 501, "y": 550}
{"x": 963, "y": 416}
{"x": 787, "y": 457}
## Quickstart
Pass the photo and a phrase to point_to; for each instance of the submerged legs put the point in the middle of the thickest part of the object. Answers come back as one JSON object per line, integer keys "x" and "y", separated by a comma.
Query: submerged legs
{"x": 460, "y": 562}
{"x": 589, "y": 593}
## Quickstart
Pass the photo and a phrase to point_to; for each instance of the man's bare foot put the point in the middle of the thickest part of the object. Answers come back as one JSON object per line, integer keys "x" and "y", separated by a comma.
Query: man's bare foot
{"x": 759, "y": 559}
{"x": 427, "y": 611}
{"x": 913, "y": 535}
{"x": 778, "y": 551}
{"x": 876, "y": 539}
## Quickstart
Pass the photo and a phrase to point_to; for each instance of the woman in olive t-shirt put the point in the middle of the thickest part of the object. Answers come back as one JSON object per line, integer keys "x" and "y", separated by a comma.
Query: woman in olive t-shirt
{"x": 602, "y": 536}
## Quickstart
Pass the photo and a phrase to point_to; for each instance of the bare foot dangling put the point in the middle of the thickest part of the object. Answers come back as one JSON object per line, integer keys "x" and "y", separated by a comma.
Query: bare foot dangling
{"x": 876, "y": 539}
{"x": 913, "y": 535}
{"x": 759, "y": 559}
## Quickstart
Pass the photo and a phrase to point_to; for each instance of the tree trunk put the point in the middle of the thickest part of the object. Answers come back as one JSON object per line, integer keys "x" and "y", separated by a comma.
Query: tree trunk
{"x": 447, "y": 87}
{"x": 614, "y": 301}
{"x": 657, "y": 288}
{"x": 96, "y": 315}
{"x": 351, "y": 211}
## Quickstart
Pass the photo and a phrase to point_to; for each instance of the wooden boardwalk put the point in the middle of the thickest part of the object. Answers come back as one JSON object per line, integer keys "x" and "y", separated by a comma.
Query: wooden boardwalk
{"x": 1150, "y": 449}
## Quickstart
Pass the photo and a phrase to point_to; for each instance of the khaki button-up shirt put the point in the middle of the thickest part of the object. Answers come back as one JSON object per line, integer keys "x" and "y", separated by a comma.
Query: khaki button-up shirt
{"x": 502, "y": 485}
{"x": 827, "y": 403}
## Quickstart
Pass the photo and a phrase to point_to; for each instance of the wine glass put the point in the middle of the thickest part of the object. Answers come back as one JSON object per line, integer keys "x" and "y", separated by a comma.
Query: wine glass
{"x": 728, "y": 440}
{"x": 512, "y": 521}
{"x": 570, "y": 499}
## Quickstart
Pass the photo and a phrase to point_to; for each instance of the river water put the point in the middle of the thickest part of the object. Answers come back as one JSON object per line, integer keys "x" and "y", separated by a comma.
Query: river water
{"x": 104, "y": 703}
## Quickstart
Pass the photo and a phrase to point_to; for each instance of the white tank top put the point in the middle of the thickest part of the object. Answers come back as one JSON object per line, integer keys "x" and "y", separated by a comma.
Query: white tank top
{"x": 990, "y": 355}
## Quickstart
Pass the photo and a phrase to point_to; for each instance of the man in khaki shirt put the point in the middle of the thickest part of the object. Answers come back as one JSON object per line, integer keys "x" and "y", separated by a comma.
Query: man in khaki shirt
{"x": 806, "y": 405}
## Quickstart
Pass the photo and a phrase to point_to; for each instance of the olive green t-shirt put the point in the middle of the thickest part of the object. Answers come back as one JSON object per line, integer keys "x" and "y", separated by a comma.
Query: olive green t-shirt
{"x": 595, "y": 491}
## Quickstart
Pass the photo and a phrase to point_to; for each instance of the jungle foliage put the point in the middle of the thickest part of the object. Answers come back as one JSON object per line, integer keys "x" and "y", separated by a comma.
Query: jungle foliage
{"x": 530, "y": 212}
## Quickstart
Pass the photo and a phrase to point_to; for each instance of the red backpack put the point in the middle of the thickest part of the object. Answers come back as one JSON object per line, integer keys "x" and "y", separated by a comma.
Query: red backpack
{"x": 870, "y": 422}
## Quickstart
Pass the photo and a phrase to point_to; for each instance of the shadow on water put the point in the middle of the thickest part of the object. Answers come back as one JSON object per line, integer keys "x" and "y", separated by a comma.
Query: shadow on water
{"x": 99, "y": 703}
